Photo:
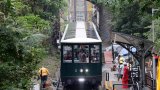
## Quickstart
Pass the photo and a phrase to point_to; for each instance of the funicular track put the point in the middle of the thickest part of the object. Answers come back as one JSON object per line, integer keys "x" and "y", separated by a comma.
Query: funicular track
{"x": 79, "y": 15}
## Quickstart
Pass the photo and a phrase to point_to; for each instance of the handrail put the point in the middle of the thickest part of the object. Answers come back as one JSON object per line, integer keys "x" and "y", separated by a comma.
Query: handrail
{"x": 124, "y": 84}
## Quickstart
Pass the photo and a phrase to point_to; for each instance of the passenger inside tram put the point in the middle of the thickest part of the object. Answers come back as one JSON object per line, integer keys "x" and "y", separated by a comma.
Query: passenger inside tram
{"x": 95, "y": 54}
{"x": 81, "y": 54}
{"x": 67, "y": 54}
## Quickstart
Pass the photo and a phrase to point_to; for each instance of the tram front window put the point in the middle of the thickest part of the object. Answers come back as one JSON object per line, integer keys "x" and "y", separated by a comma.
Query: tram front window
{"x": 81, "y": 53}
{"x": 67, "y": 54}
{"x": 95, "y": 55}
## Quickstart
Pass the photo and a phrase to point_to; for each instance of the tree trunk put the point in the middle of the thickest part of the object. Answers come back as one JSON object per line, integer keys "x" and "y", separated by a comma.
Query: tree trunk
{"x": 104, "y": 24}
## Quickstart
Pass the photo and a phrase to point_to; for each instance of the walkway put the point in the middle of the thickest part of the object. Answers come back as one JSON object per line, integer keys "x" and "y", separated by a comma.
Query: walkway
{"x": 112, "y": 74}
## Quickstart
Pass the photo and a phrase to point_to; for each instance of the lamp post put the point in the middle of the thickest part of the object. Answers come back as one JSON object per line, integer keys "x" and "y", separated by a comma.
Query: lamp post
{"x": 153, "y": 38}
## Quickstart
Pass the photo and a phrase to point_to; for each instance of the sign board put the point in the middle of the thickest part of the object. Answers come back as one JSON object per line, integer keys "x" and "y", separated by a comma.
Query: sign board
{"x": 135, "y": 73}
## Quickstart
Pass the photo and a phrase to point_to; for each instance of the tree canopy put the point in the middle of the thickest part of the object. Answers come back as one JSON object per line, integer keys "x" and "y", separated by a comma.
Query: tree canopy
{"x": 134, "y": 17}
{"x": 25, "y": 26}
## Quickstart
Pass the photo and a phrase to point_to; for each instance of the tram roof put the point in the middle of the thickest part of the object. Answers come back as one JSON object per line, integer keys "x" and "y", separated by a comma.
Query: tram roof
{"x": 80, "y": 32}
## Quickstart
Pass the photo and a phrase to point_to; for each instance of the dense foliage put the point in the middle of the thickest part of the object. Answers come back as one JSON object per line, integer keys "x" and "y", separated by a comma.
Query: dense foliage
{"x": 134, "y": 17}
{"x": 25, "y": 28}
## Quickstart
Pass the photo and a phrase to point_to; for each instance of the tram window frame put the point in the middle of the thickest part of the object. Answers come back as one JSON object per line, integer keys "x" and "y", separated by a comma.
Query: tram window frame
{"x": 81, "y": 52}
{"x": 71, "y": 57}
{"x": 94, "y": 59}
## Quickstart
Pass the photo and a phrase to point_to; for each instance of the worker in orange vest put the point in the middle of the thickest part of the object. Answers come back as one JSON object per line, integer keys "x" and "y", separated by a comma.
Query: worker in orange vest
{"x": 43, "y": 72}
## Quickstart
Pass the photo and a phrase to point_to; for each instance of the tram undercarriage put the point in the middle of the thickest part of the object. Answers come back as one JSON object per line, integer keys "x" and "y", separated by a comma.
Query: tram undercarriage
{"x": 82, "y": 83}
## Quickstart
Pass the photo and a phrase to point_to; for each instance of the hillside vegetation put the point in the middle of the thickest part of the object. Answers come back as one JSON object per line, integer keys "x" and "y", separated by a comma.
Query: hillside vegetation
{"x": 27, "y": 35}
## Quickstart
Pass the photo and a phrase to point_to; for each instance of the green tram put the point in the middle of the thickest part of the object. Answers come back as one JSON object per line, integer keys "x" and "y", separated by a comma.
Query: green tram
{"x": 81, "y": 54}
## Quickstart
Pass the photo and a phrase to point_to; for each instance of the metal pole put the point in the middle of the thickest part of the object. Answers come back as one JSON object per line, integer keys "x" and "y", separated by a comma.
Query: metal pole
{"x": 143, "y": 69}
{"x": 154, "y": 72}
{"x": 153, "y": 32}
{"x": 113, "y": 86}
{"x": 69, "y": 10}
{"x": 85, "y": 10}
{"x": 113, "y": 54}
{"x": 152, "y": 25}
{"x": 143, "y": 72}
{"x": 153, "y": 38}
{"x": 107, "y": 76}
{"x": 75, "y": 10}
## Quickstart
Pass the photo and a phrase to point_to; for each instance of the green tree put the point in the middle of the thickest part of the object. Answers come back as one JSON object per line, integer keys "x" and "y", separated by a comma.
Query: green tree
{"x": 24, "y": 27}
{"x": 129, "y": 16}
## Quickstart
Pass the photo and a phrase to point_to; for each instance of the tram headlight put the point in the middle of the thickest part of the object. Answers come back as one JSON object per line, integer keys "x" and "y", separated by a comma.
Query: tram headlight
{"x": 81, "y": 79}
{"x": 86, "y": 70}
{"x": 81, "y": 70}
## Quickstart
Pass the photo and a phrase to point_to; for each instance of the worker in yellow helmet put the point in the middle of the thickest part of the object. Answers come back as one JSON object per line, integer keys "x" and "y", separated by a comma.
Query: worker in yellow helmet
{"x": 120, "y": 69}
{"x": 121, "y": 59}
{"x": 43, "y": 72}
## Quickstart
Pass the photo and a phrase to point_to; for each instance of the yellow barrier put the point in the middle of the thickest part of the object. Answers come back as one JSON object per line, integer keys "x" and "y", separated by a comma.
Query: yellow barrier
{"x": 108, "y": 85}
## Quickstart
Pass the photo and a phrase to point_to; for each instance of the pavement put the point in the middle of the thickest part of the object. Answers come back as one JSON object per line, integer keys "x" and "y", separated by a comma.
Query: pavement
{"x": 106, "y": 68}
{"x": 112, "y": 78}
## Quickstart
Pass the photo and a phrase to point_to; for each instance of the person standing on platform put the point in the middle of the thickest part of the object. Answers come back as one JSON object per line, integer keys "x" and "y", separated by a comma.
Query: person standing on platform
{"x": 121, "y": 59}
{"x": 120, "y": 69}
{"x": 125, "y": 76}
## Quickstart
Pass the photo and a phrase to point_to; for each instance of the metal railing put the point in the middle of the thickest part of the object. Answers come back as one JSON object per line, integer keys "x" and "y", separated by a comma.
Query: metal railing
{"x": 135, "y": 86}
